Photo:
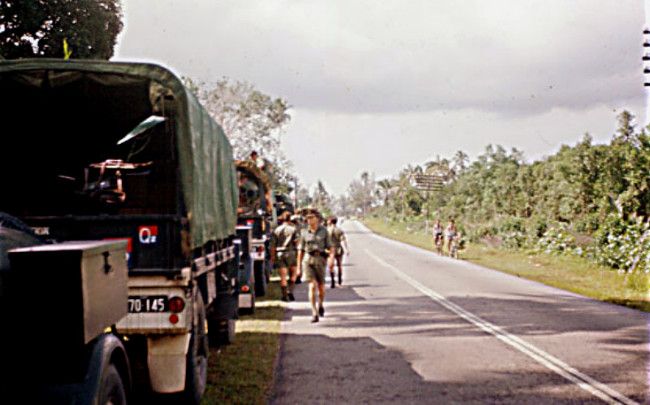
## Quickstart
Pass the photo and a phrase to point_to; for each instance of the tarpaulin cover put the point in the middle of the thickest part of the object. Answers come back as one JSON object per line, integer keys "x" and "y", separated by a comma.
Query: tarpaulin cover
{"x": 208, "y": 177}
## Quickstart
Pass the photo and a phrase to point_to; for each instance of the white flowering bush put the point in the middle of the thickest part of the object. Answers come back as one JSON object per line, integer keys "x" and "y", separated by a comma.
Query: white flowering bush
{"x": 557, "y": 240}
{"x": 514, "y": 239}
{"x": 624, "y": 244}
{"x": 512, "y": 231}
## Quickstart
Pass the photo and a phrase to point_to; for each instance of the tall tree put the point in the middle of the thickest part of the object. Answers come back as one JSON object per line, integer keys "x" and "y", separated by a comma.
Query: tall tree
{"x": 384, "y": 188}
{"x": 321, "y": 199}
{"x": 461, "y": 160}
{"x": 361, "y": 193}
{"x": 37, "y": 28}
{"x": 251, "y": 119}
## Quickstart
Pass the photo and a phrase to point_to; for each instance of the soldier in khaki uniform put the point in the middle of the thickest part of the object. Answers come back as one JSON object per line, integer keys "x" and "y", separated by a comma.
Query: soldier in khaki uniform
{"x": 312, "y": 260}
{"x": 337, "y": 240}
{"x": 298, "y": 222}
{"x": 283, "y": 254}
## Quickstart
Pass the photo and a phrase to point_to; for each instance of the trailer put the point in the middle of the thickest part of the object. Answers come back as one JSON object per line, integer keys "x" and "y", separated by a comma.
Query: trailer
{"x": 119, "y": 258}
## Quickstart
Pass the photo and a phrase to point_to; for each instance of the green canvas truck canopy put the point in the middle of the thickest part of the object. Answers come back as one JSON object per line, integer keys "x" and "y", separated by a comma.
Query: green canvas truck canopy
{"x": 131, "y": 92}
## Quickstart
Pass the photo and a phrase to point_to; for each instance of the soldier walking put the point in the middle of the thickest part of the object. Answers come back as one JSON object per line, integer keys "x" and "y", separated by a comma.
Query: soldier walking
{"x": 283, "y": 254}
{"x": 314, "y": 242}
{"x": 298, "y": 222}
{"x": 337, "y": 240}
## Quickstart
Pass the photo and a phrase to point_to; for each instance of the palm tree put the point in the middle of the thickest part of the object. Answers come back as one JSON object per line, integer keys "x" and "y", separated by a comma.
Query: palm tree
{"x": 461, "y": 159}
{"x": 385, "y": 186}
{"x": 404, "y": 183}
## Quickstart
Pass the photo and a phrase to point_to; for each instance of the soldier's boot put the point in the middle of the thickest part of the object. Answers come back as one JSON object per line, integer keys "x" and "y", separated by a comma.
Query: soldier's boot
{"x": 285, "y": 295}
{"x": 292, "y": 285}
{"x": 332, "y": 278}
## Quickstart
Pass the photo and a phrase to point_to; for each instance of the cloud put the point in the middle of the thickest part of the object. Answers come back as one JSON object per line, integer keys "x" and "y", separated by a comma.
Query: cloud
{"x": 336, "y": 147}
{"x": 515, "y": 57}
{"x": 378, "y": 85}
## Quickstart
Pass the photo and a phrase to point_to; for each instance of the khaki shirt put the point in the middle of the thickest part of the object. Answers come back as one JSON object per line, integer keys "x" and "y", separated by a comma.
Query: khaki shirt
{"x": 314, "y": 242}
{"x": 336, "y": 235}
{"x": 284, "y": 237}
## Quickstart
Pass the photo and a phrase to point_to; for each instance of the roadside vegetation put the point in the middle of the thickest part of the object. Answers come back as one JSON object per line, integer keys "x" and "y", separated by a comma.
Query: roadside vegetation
{"x": 243, "y": 373}
{"x": 571, "y": 273}
{"x": 585, "y": 208}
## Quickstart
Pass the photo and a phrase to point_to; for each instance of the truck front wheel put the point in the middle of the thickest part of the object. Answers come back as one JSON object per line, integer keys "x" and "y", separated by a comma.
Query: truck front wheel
{"x": 112, "y": 388}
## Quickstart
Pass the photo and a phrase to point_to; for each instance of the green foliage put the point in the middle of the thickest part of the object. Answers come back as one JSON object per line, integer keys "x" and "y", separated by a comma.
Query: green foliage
{"x": 361, "y": 194}
{"x": 251, "y": 120}
{"x": 587, "y": 199}
{"x": 567, "y": 271}
{"x": 557, "y": 240}
{"x": 513, "y": 232}
{"x": 624, "y": 244}
{"x": 37, "y": 28}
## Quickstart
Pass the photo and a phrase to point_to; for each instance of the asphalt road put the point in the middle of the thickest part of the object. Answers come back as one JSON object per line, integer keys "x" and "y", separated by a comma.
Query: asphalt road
{"x": 412, "y": 327}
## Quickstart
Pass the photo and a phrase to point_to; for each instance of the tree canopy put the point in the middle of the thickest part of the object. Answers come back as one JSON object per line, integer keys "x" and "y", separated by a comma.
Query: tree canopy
{"x": 251, "y": 119}
{"x": 37, "y": 28}
{"x": 591, "y": 198}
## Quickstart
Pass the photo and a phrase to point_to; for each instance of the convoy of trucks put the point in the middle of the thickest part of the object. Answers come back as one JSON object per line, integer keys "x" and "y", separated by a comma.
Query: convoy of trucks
{"x": 127, "y": 239}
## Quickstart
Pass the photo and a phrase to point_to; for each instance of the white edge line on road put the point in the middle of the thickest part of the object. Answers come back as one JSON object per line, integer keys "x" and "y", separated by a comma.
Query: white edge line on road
{"x": 431, "y": 255}
{"x": 582, "y": 380}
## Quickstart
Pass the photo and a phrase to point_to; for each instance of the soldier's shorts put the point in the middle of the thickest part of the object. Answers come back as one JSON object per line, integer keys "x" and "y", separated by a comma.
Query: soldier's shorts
{"x": 285, "y": 259}
{"x": 313, "y": 267}
{"x": 338, "y": 253}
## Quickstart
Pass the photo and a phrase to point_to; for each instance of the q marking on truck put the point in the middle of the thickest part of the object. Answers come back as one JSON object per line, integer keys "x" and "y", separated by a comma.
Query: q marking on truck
{"x": 148, "y": 234}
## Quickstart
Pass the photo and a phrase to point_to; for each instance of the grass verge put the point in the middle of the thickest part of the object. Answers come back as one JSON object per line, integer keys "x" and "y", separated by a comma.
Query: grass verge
{"x": 242, "y": 373}
{"x": 569, "y": 273}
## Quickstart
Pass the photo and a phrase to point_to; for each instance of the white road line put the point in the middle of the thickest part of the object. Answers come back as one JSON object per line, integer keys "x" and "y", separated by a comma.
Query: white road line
{"x": 582, "y": 380}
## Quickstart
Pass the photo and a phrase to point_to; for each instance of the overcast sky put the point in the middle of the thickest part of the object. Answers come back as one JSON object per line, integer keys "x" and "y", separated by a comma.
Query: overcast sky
{"x": 378, "y": 85}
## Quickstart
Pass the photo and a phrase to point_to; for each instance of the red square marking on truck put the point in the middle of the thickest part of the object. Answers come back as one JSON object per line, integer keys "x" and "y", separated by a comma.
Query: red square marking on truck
{"x": 129, "y": 243}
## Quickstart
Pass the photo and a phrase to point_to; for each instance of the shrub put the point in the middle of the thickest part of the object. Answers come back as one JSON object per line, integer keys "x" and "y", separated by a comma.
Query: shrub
{"x": 557, "y": 240}
{"x": 623, "y": 244}
{"x": 588, "y": 223}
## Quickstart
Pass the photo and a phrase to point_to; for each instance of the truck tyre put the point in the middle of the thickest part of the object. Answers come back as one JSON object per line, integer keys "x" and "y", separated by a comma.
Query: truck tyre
{"x": 268, "y": 270}
{"x": 260, "y": 278}
{"x": 224, "y": 335}
{"x": 111, "y": 391}
{"x": 197, "y": 356}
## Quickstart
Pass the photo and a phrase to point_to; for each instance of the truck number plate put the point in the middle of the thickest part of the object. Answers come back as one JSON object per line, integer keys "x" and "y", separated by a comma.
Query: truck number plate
{"x": 153, "y": 303}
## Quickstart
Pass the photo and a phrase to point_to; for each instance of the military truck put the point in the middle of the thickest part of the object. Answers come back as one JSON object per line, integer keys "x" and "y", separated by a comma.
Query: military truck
{"x": 118, "y": 253}
{"x": 256, "y": 209}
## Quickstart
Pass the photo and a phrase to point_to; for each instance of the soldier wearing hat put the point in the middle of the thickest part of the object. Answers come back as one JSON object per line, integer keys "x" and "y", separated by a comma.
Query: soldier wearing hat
{"x": 283, "y": 254}
{"x": 312, "y": 260}
{"x": 299, "y": 223}
{"x": 338, "y": 241}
